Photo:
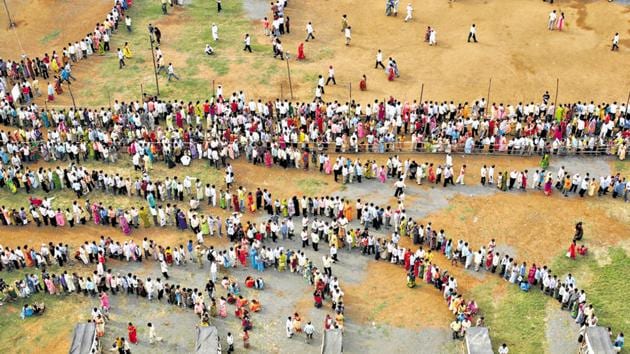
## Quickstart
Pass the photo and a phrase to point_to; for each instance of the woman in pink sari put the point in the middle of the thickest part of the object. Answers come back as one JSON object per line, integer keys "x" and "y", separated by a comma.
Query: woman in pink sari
{"x": 104, "y": 300}
{"x": 124, "y": 224}
{"x": 382, "y": 175}
{"x": 327, "y": 167}
{"x": 268, "y": 159}
{"x": 222, "y": 307}
{"x": 360, "y": 130}
{"x": 548, "y": 185}
{"x": 95, "y": 214}
{"x": 52, "y": 290}
{"x": 61, "y": 221}
{"x": 560, "y": 22}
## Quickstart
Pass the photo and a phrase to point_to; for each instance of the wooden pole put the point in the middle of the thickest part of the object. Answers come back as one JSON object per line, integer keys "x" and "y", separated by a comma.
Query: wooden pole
{"x": 141, "y": 93}
{"x": 213, "y": 91}
{"x": 157, "y": 85}
{"x": 109, "y": 99}
{"x": 289, "y": 75}
{"x": 350, "y": 88}
{"x": 421, "y": 92}
{"x": 6, "y": 7}
{"x": 488, "y": 96}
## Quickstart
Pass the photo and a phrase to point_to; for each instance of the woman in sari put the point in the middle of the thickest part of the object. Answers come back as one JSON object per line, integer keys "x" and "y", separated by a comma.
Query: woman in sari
{"x": 300, "y": 55}
{"x": 548, "y": 186}
{"x": 222, "y": 307}
{"x": 132, "y": 333}
{"x": 327, "y": 167}
{"x": 235, "y": 203}
{"x": 127, "y": 51}
{"x": 60, "y": 218}
{"x": 560, "y": 23}
{"x": 104, "y": 298}
{"x": 268, "y": 159}
{"x": 382, "y": 174}
{"x": 58, "y": 89}
{"x": 100, "y": 325}
{"x": 571, "y": 251}
{"x": 124, "y": 224}
{"x": 363, "y": 83}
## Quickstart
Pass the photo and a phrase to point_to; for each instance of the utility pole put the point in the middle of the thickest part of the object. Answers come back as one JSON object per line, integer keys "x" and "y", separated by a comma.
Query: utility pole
{"x": 157, "y": 85}
{"x": 488, "y": 97}
{"x": 72, "y": 96}
{"x": 6, "y": 7}
{"x": 421, "y": 92}
{"x": 289, "y": 75}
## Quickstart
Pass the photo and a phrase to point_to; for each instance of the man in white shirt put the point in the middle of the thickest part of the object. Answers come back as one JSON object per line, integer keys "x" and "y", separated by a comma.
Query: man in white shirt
{"x": 409, "y": 12}
{"x": 473, "y": 33}
{"x": 248, "y": 43}
{"x": 215, "y": 32}
{"x": 331, "y": 76}
{"x": 309, "y": 31}
{"x": 379, "y": 60}
{"x": 348, "y": 35}
{"x": 552, "y": 20}
{"x": 615, "y": 42}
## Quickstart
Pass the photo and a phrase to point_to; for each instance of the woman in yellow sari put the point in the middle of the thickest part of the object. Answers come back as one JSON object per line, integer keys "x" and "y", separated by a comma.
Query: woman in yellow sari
{"x": 127, "y": 51}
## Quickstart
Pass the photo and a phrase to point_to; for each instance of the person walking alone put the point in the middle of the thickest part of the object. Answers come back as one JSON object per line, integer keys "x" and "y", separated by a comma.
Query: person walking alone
{"x": 331, "y": 76}
{"x": 409, "y": 12}
{"x": 473, "y": 33}
{"x": 248, "y": 43}
{"x": 615, "y": 42}
{"x": 121, "y": 59}
{"x": 379, "y": 60}
{"x": 348, "y": 35}
{"x": 309, "y": 31}
{"x": 170, "y": 73}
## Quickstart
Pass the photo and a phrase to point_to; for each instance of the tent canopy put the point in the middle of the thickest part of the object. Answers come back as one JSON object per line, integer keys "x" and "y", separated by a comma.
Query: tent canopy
{"x": 207, "y": 340}
{"x": 83, "y": 338}
{"x": 332, "y": 341}
{"x": 598, "y": 340}
{"x": 478, "y": 341}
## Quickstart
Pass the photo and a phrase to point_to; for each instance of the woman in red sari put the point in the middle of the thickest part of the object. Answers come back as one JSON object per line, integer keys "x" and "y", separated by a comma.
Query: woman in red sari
{"x": 235, "y": 203}
{"x": 391, "y": 74}
{"x": 363, "y": 84}
{"x": 431, "y": 174}
{"x": 300, "y": 55}
{"x": 572, "y": 250}
{"x": 133, "y": 335}
{"x": 531, "y": 277}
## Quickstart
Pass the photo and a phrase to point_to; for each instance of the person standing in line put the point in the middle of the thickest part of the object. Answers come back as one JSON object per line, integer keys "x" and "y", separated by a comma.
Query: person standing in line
{"x": 215, "y": 32}
{"x": 309, "y": 31}
{"x": 552, "y": 20}
{"x": 409, "y": 12}
{"x": 248, "y": 43}
{"x": 473, "y": 33}
{"x": 379, "y": 60}
{"x": 121, "y": 59}
{"x": 170, "y": 73}
{"x": 615, "y": 42}
{"x": 331, "y": 76}
{"x": 348, "y": 35}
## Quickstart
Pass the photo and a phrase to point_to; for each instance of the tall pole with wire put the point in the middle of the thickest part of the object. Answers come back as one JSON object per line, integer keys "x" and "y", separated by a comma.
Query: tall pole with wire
{"x": 6, "y": 7}
{"x": 157, "y": 84}
{"x": 289, "y": 75}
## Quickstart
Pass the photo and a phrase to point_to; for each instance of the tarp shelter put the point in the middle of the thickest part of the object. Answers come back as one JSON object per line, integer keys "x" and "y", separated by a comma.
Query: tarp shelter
{"x": 84, "y": 339}
{"x": 596, "y": 341}
{"x": 332, "y": 341}
{"x": 478, "y": 341}
{"x": 207, "y": 340}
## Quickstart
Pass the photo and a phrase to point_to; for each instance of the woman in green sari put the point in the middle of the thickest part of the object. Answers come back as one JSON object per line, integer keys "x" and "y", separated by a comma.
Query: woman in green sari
{"x": 56, "y": 181}
{"x": 544, "y": 163}
{"x": 222, "y": 202}
{"x": 144, "y": 216}
{"x": 205, "y": 228}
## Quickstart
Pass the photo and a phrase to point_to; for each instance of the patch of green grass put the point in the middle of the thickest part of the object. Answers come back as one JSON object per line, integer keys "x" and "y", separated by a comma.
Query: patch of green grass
{"x": 50, "y": 36}
{"x": 516, "y": 318}
{"x": 310, "y": 186}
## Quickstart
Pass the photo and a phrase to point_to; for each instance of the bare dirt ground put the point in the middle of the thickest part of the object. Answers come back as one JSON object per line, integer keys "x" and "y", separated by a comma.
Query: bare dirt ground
{"x": 515, "y": 49}
{"x": 47, "y": 25}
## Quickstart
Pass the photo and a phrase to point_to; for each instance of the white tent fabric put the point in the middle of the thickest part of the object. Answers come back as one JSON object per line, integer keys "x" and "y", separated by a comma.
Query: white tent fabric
{"x": 478, "y": 341}
{"x": 332, "y": 341}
